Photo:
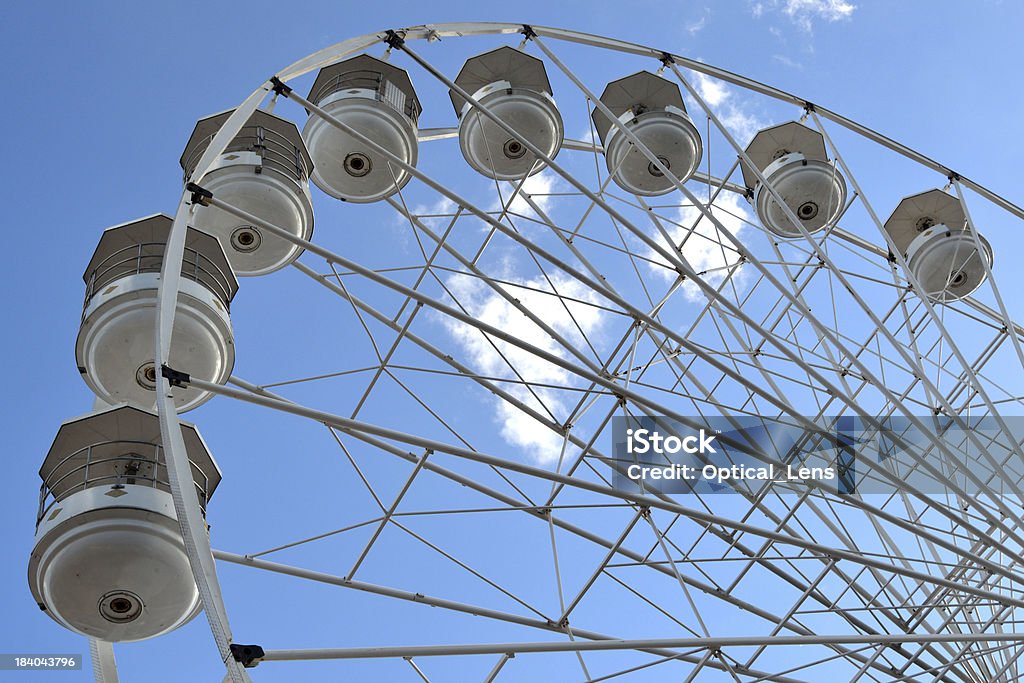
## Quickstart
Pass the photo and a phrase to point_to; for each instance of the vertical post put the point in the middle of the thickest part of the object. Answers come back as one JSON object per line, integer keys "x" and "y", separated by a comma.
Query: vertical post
{"x": 104, "y": 666}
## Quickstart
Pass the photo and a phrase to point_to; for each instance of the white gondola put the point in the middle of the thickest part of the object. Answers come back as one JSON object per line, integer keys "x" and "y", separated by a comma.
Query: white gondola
{"x": 793, "y": 160}
{"x": 931, "y": 232}
{"x": 264, "y": 171}
{"x": 108, "y": 560}
{"x": 377, "y": 100}
{"x": 514, "y": 87}
{"x": 652, "y": 109}
{"x": 116, "y": 338}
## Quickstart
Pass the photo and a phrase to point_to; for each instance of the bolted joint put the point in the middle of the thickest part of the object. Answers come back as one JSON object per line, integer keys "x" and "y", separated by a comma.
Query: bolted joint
{"x": 248, "y": 655}
{"x": 809, "y": 107}
{"x": 200, "y": 195}
{"x": 666, "y": 59}
{"x": 528, "y": 32}
{"x": 394, "y": 40}
{"x": 177, "y": 378}
{"x": 280, "y": 87}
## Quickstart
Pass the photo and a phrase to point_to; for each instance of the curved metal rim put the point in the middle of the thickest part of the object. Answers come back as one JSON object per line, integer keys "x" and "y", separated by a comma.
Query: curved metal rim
{"x": 190, "y": 518}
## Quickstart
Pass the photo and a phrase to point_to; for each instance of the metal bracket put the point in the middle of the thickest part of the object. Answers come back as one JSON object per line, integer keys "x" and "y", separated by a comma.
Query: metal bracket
{"x": 666, "y": 59}
{"x": 528, "y": 32}
{"x": 248, "y": 655}
{"x": 394, "y": 40}
{"x": 280, "y": 87}
{"x": 177, "y": 378}
{"x": 200, "y": 195}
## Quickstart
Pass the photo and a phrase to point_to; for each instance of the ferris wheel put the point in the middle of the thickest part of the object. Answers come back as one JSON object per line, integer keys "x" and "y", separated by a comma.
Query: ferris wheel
{"x": 593, "y": 244}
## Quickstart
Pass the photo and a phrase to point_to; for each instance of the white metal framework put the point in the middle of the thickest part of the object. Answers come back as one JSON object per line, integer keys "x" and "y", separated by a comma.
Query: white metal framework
{"x": 616, "y": 305}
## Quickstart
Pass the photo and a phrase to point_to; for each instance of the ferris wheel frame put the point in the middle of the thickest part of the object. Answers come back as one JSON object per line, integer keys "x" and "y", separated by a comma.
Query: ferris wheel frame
{"x": 201, "y": 555}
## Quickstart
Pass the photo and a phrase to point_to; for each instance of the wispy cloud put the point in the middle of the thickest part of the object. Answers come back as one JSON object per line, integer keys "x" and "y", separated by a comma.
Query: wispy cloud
{"x": 517, "y": 428}
{"x": 704, "y": 247}
{"x": 442, "y": 207}
{"x": 736, "y": 117}
{"x": 695, "y": 26}
{"x": 538, "y": 187}
{"x": 588, "y": 134}
{"x": 432, "y": 214}
{"x": 786, "y": 61}
{"x": 805, "y": 12}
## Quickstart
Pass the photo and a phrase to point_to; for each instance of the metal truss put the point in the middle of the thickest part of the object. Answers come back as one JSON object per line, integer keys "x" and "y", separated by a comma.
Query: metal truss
{"x": 680, "y": 306}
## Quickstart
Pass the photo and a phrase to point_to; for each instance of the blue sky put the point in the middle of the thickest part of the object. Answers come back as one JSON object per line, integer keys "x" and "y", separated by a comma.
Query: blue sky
{"x": 99, "y": 101}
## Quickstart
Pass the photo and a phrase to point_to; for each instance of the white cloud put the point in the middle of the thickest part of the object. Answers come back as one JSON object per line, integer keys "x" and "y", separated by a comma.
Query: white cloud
{"x": 741, "y": 123}
{"x": 705, "y": 248}
{"x": 786, "y": 61}
{"x": 805, "y": 12}
{"x": 439, "y": 208}
{"x": 714, "y": 92}
{"x": 537, "y": 187}
{"x": 517, "y": 428}
{"x": 588, "y": 134}
{"x": 442, "y": 207}
{"x": 829, "y": 10}
{"x": 697, "y": 25}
